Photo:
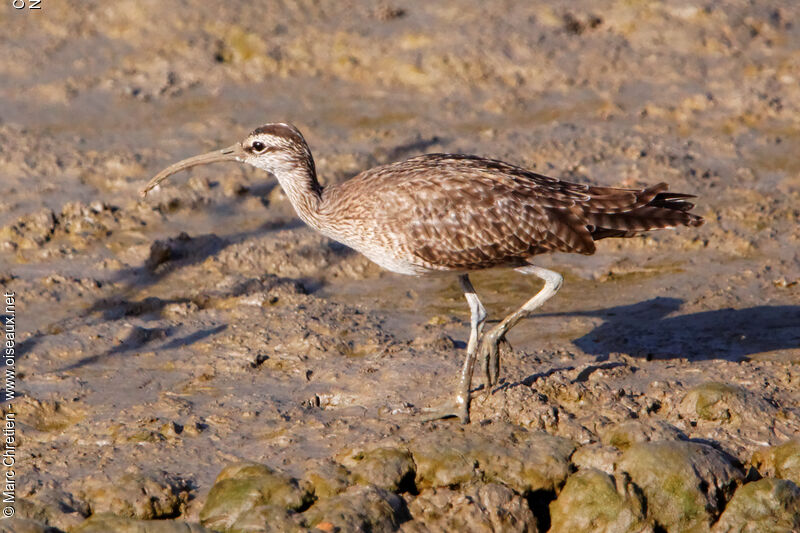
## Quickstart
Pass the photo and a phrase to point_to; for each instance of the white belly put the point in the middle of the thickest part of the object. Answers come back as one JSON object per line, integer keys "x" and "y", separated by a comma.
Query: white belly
{"x": 377, "y": 248}
{"x": 384, "y": 256}
{"x": 394, "y": 264}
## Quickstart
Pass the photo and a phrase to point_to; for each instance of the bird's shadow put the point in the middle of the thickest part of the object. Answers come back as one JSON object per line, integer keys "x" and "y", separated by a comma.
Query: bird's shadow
{"x": 652, "y": 329}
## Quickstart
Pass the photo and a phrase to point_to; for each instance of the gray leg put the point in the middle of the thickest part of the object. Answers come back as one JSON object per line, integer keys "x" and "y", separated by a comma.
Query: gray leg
{"x": 477, "y": 319}
{"x": 489, "y": 349}
{"x": 460, "y": 406}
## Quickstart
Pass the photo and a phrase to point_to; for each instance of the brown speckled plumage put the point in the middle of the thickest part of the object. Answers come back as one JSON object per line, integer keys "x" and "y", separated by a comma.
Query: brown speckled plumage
{"x": 455, "y": 213}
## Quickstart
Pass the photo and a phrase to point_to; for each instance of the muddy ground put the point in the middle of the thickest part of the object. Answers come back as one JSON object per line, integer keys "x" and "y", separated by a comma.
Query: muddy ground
{"x": 205, "y": 328}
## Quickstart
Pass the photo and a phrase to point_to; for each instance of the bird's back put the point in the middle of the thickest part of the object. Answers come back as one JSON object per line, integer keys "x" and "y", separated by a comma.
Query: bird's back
{"x": 457, "y": 212}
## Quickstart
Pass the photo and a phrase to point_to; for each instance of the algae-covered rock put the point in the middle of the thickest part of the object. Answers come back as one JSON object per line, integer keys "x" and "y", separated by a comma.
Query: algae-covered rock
{"x": 591, "y": 501}
{"x": 327, "y": 477}
{"x": 723, "y": 403}
{"x": 267, "y": 519}
{"x": 477, "y": 508}
{"x": 106, "y": 523}
{"x": 142, "y": 495}
{"x": 629, "y": 432}
{"x": 245, "y": 487}
{"x": 781, "y": 461}
{"x": 24, "y": 525}
{"x": 525, "y": 461}
{"x": 686, "y": 484}
{"x": 388, "y": 468}
{"x": 763, "y": 506}
{"x": 360, "y": 508}
{"x": 444, "y": 458}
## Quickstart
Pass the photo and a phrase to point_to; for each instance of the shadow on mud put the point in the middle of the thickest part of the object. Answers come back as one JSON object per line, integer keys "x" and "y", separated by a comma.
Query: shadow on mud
{"x": 646, "y": 329}
{"x": 141, "y": 336}
{"x": 166, "y": 257}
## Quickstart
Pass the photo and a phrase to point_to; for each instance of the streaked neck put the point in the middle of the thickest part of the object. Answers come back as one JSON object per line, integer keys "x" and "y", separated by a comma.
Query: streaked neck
{"x": 304, "y": 191}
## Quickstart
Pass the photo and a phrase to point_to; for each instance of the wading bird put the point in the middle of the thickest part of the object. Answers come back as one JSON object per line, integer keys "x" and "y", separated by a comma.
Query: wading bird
{"x": 448, "y": 213}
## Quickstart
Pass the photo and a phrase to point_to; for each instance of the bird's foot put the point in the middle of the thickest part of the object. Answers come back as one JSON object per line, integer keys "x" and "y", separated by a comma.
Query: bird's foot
{"x": 490, "y": 357}
{"x": 455, "y": 408}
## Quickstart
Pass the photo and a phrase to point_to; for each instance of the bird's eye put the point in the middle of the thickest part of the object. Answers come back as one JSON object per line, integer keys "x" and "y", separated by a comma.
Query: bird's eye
{"x": 258, "y": 146}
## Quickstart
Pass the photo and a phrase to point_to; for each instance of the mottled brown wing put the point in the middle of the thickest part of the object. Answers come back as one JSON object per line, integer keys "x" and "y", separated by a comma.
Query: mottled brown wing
{"x": 466, "y": 212}
{"x": 470, "y": 213}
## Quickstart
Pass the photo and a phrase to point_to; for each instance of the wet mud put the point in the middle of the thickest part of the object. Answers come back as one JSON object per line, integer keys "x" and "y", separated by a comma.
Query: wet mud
{"x": 201, "y": 361}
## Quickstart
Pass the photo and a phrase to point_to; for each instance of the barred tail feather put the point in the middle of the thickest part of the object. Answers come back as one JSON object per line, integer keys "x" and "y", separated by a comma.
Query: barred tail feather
{"x": 653, "y": 208}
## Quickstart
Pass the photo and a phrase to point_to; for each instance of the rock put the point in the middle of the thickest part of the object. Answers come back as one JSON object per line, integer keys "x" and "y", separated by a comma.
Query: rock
{"x": 434, "y": 340}
{"x": 444, "y": 458}
{"x": 105, "y": 523}
{"x": 268, "y": 519}
{"x": 478, "y": 508}
{"x": 30, "y": 510}
{"x": 245, "y": 487}
{"x": 525, "y": 461}
{"x": 53, "y": 507}
{"x": 32, "y": 230}
{"x": 48, "y": 415}
{"x": 328, "y": 478}
{"x": 159, "y": 254}
{"x": 591, "y": 501}
{"x": 24, "y": 525}
{"x": 723, "y": 403}
{"x": 596, "y": 456}
{"x": 360, "y": 508}
{"x": 139, "y": 495}
{"x": 767, "y": 505}
{"x": 83, "y": 220}
{"x": 686, "y": 484}
{"x": 781, "y": 461}
{"x": 522, "y": 406}
{"x": 392, "y": 469}
{"x": 181, "y": 247}
{"x": 626, "y": 433}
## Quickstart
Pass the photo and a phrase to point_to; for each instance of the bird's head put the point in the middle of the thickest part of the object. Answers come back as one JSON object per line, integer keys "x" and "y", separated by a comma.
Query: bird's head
{"x": 276, "y": 148}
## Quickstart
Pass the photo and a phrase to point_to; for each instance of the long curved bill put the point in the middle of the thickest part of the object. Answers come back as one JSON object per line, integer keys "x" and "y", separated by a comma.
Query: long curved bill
{"x": 231, "y": 153}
